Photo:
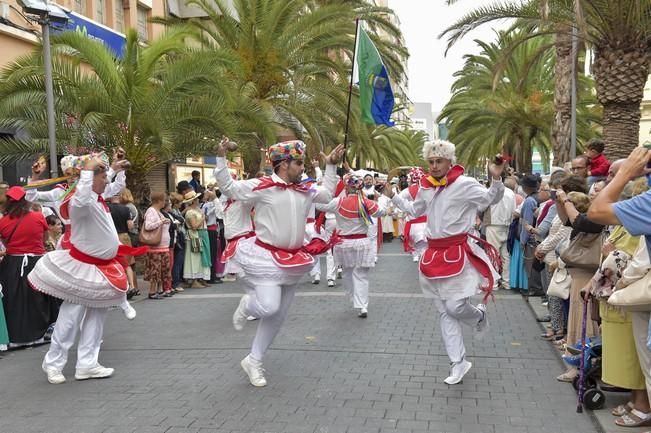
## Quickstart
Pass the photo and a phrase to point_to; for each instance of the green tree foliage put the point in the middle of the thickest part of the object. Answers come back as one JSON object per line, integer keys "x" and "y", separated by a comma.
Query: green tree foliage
{"x": 503, "y": 102}
{"x": 619, "y": 32}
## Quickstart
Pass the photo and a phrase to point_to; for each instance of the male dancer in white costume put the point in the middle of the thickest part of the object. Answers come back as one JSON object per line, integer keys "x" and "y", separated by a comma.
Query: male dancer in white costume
{"x": 356, "y": 254}
{"x": 71, "y": 166}
{"x": 453, "y": 268}
{"x": 87, "y": 277}
{"x": 276, "y": 259}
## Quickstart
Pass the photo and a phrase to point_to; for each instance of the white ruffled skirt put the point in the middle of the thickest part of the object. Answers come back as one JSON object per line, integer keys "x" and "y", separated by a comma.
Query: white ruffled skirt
{"x": 355, "y": 253}
{"x": 59, "y": 275}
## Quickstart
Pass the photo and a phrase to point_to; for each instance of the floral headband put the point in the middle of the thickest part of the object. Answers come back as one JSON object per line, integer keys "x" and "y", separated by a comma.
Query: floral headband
{"x": 287, "y": 150}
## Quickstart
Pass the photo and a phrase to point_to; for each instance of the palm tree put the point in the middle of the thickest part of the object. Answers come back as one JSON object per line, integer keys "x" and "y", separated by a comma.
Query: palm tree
{"x": 290, "y": 58}
{"x": 503, "y": 102}
{"x": 158, "y": 102}
{"x": 617, "y": 30}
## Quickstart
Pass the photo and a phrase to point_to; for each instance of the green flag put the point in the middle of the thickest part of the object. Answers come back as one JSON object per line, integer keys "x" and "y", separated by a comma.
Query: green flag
{"x": 375, "y": 94}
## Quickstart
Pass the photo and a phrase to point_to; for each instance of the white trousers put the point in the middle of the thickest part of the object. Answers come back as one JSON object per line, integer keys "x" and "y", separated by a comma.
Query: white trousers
{"x": 452, "y": 314}
{"x": 315, "y": 272}
{"x": 331, "y": 269}
{"x": 356, "y": 285}
{"x": 73, "y": 318}
{"x": 419, "y": 248}
{"x": 270, "y": 303}
{"x": 497, "y": 237}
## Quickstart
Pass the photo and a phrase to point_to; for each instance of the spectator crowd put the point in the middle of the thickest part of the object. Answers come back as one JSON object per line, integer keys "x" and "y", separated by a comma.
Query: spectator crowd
{"x": 576, "y": 238}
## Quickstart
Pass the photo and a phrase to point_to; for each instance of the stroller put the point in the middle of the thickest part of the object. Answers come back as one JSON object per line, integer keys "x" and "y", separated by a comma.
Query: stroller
{"x": 588, "y": 360}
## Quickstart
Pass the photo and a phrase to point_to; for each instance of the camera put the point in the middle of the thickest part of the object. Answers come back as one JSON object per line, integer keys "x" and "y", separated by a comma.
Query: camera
{"x": 552, "y": 194}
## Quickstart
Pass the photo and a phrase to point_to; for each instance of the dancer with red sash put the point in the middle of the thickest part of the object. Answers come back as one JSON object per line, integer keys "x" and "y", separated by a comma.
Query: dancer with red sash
{"x": 356, "y": 253}
{"x": 276, "y": 258}
{"x": 415, "y": 232}
{"x": 71, "y": 166}
{"x": 453, "y": 267}
{"x": 88, "y": 277}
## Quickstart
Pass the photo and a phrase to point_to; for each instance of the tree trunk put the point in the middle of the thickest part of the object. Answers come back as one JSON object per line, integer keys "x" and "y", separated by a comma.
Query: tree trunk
{"x": 620, "y": 76}
{"x": 621, "y": 129}
{"x": 137, "y": 183}
{"x": 561, "y": 128}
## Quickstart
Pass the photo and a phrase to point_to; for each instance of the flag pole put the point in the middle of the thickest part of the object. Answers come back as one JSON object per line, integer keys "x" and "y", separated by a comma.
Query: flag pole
{"x": 350, "y": 87}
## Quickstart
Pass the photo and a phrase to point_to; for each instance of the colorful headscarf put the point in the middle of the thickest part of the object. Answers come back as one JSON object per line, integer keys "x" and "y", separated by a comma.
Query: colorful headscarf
{"x": 287, "y": 150}
{"x": 353, "y": 181}
{"x": 416, "y": 174}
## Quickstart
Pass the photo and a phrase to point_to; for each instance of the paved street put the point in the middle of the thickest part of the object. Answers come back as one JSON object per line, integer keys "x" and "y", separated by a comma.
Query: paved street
{"x": 177, "y": 370}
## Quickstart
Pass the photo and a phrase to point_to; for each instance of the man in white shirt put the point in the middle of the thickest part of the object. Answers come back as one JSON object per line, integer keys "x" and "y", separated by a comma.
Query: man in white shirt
{"x": 88, "y": 277}
{"x": 276, "y": 259}
{"x": 454, "y": 267}
{"x": 497, "y": 219}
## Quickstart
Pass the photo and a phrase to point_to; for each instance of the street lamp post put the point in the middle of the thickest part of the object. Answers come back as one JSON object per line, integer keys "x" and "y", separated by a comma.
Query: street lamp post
{"x": 45, "y": 13}
{"x": 49, "y": 96}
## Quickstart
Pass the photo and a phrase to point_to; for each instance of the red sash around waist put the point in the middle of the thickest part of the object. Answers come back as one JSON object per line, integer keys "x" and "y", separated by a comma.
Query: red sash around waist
{"x": 310, "y": 220}
{"x": 285, "y": 258}
{"x": 354, "y": 236}
{"x": 406, "y": 243}
{"x": 111, "y": 269}
{"x": 446, "y": 257}
{"x": 231, "y": 246}
{"x": 212, "y": 228}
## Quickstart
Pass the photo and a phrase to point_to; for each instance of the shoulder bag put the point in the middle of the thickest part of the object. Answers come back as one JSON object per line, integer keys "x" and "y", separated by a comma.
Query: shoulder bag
{"x": 150, "y": 237}
{"x": 634, "y": 297}
{"x": 584, "y": 251}
{"x": 559, "y": 284}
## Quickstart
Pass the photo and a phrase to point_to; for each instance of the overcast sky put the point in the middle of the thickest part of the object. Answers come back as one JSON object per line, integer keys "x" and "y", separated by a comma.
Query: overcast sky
{"x": 430, "y": 71}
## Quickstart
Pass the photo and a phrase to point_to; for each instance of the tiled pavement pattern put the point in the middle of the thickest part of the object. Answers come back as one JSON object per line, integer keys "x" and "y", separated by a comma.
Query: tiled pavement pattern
{"x": 177, "y": 370}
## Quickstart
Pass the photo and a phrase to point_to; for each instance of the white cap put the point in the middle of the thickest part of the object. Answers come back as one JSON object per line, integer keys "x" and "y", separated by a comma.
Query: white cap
{"x": 439, "y": 149}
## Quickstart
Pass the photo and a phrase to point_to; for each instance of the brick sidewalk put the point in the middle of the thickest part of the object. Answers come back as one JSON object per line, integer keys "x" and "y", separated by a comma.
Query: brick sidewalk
{"x": 177, "y": 370}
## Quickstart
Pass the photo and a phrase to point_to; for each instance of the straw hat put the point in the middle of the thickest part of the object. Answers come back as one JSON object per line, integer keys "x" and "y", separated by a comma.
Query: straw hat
{"x": 190, "y": 197}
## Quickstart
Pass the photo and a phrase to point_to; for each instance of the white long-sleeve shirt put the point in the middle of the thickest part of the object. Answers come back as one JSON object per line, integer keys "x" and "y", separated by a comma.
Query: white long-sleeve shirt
{"x": 93, "y": 231}
{"x": 501, "y": 213}
{"x": 209, "y": 210}
{"x": 452, "y": 210}
{"x": 280, "y": 214}
{"x": 237, "y": 219}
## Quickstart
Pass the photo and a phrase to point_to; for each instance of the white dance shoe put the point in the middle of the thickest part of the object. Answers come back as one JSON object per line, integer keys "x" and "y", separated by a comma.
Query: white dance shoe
{"x": 457, "y": 372}
{"x": 254, "y": 370}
